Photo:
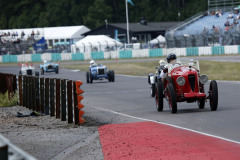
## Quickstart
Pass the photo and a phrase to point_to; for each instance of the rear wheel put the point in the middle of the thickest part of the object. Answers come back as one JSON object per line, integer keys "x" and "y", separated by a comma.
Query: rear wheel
{"x": 109, "y": 76}
{"x": 87, "y": 77}
{"x": 171, "y": 98}
{"x": 159, "y": 95}
{"x": 213, "y": 95}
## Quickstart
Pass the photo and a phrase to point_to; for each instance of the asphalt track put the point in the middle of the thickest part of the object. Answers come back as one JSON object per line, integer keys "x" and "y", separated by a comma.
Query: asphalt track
{"x": 130, "y": 96}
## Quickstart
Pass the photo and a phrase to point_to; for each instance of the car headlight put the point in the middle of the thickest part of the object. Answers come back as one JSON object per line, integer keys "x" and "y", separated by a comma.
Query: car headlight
{"x": 181, "y": 81}
{"x": 203, "y": 79}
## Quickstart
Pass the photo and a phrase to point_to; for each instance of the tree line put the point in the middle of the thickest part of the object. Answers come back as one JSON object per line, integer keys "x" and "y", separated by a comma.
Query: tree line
{"x": 92, "y": 13}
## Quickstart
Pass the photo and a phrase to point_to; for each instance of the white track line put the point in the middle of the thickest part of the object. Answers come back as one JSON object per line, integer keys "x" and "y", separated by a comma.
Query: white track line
{"x": 206, "y": 134}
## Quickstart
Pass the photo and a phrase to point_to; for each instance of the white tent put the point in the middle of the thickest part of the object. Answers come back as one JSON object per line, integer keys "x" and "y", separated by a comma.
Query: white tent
{"x": 94, "y": 43}
{"x": 68, "y": 32}
{"x": 158, "y": 40}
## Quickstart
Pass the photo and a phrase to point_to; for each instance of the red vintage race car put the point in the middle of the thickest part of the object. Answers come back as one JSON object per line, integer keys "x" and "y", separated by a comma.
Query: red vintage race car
{"x": 184, "y": 83}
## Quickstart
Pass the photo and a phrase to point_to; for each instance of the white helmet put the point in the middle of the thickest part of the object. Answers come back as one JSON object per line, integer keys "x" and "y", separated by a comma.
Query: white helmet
{"x": 92, "y": 62}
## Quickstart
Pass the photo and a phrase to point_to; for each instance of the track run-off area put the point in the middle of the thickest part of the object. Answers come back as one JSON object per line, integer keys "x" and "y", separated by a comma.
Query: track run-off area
{"x": 192, "y": 133}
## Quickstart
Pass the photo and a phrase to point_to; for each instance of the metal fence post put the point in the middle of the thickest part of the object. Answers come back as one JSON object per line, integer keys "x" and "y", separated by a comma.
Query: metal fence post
{"x": 42, "y": 95}
{"x": 24, "y": 91}
{"x": 69, "y": 101}
{"x": 14, "y": 85}
{"x": 63, "y": 100}
{"x": 30, "y": 96}
{"x": 76, "y": 115}
{"x": 57, "y": 98}
{"x": 52, "y": 98}
{"x": 37, "y": 94}
{"x": 4, "y": 151}
{"x": 27, "y": 91}
{"x": 46, "y": 110}
{"x": 33, "y": 88}
{"x": 20, "y": 91}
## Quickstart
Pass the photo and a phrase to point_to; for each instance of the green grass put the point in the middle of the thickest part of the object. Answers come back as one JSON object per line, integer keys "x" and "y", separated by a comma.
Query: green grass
{"x": 214, "y": 70}
{"x": 5, "y": 101}
{"x": 221, "y": 70}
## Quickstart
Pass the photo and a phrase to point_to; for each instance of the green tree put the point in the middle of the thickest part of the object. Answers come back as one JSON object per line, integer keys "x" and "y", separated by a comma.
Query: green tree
{"x": 97, "y": 14}
{"x": 92, "y": 13}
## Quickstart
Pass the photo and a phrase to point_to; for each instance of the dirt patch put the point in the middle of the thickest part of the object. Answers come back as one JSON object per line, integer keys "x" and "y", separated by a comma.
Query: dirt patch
{"x": 46, "y": 137}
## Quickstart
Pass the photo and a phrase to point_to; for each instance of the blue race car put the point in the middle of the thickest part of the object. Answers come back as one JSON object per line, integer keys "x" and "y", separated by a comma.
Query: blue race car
{"x": 48, "y": 66}
{"x": 99, "y": 72}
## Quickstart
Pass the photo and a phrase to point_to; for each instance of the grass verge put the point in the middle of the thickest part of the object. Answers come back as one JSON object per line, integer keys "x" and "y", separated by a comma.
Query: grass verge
{"x": 5, "y": 101}
{"x": 214, "y": 70}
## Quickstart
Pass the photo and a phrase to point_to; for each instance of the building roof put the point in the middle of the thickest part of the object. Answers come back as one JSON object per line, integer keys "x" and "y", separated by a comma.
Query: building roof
{"x": 151, "y": 26}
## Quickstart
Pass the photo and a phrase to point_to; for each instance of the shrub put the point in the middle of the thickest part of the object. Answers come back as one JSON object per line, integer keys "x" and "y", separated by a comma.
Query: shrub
{"x": 5, "y": 101}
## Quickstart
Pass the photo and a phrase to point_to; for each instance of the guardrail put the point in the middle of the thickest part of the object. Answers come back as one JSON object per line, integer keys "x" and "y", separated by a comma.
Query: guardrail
{"x": 8, "y": 151}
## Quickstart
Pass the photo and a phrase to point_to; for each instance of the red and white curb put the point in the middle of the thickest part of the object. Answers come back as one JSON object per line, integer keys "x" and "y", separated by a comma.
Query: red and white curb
{"x": 152, "y": 140}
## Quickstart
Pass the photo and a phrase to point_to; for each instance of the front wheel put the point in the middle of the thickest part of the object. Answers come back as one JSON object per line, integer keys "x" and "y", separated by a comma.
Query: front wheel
{"x": 171, "y": 98}
{"x": 109, "y": 76}
{"x": 36, "y": 73}
{"x": 90, "y": 77}
{"x": 87, "y": 77}
{"x": 213, "y": 95}
{"x": 56, "y": 70}
{"x": 159, "y": 95}
{"x": 201, "y": 103}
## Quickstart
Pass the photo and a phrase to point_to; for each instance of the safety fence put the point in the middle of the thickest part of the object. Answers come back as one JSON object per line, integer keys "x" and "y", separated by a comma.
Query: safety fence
{"x": 55, "y": 97}
{"x": 122, "y": 54}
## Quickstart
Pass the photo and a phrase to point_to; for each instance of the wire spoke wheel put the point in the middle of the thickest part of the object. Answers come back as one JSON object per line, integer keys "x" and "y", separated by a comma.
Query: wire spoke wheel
{"x": 159, "y": 95}
{"x": 171, "y": 98}
{"x": 213, "y": 95}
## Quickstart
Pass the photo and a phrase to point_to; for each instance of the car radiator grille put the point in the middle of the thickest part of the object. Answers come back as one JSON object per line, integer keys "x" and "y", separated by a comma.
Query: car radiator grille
{"x": 101, "y": 71}
{"x": 191, "y": 79}
{"x": 50, "y": 67}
